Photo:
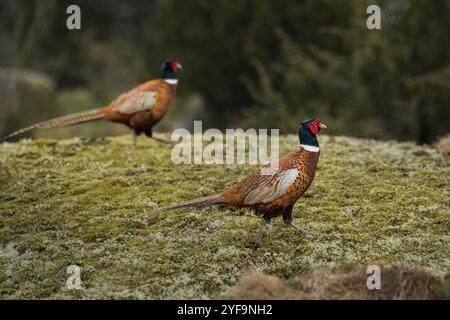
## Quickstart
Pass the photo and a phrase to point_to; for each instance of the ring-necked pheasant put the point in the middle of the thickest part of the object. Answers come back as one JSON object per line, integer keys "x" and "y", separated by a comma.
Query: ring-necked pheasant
{"x": 140, "y": 108}
{"x": 271, "y": 192}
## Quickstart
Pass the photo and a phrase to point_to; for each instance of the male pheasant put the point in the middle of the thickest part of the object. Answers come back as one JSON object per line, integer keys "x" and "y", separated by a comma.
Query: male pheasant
{"x": 140, "y": 108}
{"x": 271, "y": 192}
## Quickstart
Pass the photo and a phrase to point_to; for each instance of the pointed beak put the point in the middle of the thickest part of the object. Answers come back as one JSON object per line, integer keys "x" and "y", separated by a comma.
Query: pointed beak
{"x": 323, "y": 126}
{"x": 179, "y": 66}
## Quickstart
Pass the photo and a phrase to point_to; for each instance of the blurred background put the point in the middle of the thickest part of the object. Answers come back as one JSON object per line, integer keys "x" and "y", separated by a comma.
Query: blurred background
{"x": 247, "y": 63}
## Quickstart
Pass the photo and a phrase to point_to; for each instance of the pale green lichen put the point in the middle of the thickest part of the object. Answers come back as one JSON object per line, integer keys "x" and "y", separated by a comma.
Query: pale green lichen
{"x": 87, "y": 202}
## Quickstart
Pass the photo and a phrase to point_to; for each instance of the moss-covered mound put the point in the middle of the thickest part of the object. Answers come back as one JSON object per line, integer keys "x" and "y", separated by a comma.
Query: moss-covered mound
{"x": 87, "y": 203}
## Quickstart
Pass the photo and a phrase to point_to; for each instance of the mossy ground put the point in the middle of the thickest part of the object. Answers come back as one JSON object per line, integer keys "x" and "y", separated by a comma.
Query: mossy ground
{"x": 88, "y": 202}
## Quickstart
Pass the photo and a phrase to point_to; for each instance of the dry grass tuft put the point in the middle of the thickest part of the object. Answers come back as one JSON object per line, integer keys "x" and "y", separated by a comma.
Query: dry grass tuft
{"x": 443, "y": 144}
{"x": 258, "y": 286}
{"x": 396, "y": 283}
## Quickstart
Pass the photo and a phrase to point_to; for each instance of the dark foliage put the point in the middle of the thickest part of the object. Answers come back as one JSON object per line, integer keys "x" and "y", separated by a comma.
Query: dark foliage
{"x": 263, "y": 64}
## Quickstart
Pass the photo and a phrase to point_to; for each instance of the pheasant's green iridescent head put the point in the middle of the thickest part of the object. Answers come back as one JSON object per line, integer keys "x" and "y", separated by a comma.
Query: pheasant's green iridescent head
{"x": 169, "y": 69}
{"x": 308, "y": 131}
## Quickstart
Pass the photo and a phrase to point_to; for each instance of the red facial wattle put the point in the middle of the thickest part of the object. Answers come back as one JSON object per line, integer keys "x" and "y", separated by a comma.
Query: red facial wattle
{"x": 314, "y": 126}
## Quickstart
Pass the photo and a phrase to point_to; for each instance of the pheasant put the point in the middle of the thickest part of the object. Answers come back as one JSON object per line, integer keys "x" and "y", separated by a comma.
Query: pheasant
{"x": 271, "y": 192}
{"x": 140, "y": 108}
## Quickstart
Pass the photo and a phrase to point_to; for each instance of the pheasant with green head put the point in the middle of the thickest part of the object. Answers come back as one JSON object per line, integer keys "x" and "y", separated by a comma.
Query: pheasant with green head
{"x": 273, "y": 190}
{"x": 140, "y": 108}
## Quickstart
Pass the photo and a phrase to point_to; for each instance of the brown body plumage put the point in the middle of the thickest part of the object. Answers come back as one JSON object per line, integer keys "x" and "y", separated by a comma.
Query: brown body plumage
{"x": 248, "y": 192}
{"x": 270, "y": 191}
{"x": 130, "y": 108}
{"x": 140, "y": 108}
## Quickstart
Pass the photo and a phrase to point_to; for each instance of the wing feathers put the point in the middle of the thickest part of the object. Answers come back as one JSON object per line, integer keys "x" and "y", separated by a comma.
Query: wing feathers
{"x": 135, "y": 102}
{"x": 270, "y": 187}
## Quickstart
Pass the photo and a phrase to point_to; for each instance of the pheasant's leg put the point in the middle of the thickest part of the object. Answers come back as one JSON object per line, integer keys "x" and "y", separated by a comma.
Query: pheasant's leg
{"x": 300, "y": 230}
{"x": 149, "y": 133}
{"x": 287, "y": 218}
{"x": 161, "y": 140}
{"x": 135, "y": 138}
{"x": 260, "y": 232}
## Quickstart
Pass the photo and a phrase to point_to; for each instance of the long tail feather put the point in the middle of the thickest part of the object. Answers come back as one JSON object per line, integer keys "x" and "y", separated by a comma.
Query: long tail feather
{"x": 63, "y": 121}
{"x": 196, "y": 203}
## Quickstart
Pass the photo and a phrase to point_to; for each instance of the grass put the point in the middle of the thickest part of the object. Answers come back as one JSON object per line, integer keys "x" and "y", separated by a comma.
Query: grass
{"x": 87, "y": 202}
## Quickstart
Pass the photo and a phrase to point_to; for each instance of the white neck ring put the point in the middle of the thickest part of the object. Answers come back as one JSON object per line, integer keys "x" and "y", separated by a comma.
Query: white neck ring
{"x": 171, "y": 81}
{"x": 310, "y": 148}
